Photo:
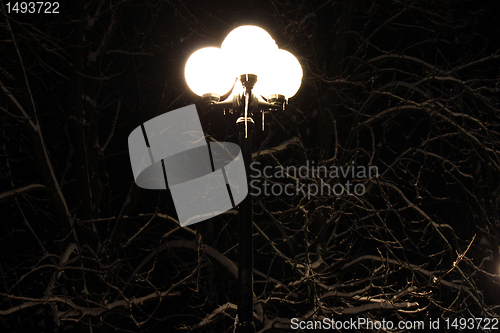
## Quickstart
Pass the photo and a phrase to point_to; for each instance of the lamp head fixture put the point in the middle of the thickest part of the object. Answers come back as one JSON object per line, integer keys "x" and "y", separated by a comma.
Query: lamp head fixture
{"x": 247, "y": 49}
{"x": 249, "y": 55}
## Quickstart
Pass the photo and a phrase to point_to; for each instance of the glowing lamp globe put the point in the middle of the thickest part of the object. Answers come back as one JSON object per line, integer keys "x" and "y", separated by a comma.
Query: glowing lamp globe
{"x": 284, "y": 75}
{"x": 247, "y": 49}
{"x": 206, "y": 71}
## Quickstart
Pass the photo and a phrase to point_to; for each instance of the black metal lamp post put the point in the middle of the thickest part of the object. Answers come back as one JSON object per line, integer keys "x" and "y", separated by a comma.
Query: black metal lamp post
{"x": 250, "y": 54}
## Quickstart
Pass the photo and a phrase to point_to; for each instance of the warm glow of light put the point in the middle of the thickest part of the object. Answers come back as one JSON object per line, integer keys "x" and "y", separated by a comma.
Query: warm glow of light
{"x": 206, "y": 72}
{"x": 238, "y": 89}
{"x": 284, "y": 76}
{"x": 245, "y": 50}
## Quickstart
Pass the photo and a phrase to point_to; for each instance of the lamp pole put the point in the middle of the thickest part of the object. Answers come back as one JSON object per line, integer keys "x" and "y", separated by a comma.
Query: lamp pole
{"x": 245, "y": 229}
{"x": 209, "y": 73}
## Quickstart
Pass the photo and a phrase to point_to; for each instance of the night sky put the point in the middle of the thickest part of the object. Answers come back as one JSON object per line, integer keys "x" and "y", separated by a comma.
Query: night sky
{"x": 408, "y": 87}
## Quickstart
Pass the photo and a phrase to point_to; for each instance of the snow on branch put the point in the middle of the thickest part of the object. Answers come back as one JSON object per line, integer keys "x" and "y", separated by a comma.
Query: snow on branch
{"x": 293, "y": 141}
{"x": 385, "y": 305}
{"x": 24, "y": 189}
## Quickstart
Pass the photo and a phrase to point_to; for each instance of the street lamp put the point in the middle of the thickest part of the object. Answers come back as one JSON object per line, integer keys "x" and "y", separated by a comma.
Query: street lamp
{"x": 266, "y": 77}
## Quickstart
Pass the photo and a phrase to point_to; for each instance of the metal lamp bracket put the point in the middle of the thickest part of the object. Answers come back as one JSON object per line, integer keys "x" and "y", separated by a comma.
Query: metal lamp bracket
{"x": 274, "y": 102}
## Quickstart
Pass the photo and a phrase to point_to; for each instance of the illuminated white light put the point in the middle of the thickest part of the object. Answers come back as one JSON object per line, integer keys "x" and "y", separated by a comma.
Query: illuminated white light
{"x": 206, "y": 72}
{"x": 247, "y": 49}
{"x": 283, "y": 77}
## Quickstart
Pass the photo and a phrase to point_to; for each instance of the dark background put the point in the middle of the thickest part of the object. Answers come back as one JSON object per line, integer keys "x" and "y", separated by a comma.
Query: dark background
{"x": 408, "y": 86}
